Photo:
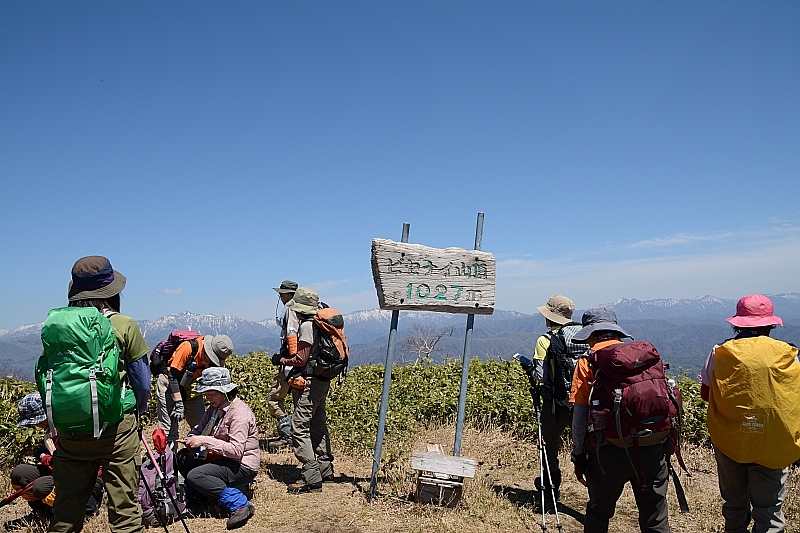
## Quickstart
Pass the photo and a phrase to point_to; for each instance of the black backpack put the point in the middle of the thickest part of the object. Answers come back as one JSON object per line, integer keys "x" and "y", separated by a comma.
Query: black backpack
{"x": 332, "y": 354}
{"x": 565, "y": 354}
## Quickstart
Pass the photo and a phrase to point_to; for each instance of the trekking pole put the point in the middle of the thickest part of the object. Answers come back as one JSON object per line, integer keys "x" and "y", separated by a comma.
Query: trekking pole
{"x": 544, "y": 464}
{"x": 153, "y": 499}
{"x": 163, "y": 479}
{"x": 17, "y": 494}
{"x": 536, "y": 405}
{"x": 549, "y": 477}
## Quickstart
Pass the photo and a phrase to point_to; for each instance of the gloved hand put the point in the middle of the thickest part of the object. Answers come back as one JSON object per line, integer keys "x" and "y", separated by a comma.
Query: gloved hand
{"x": 276, "y": 359}
{"x": 580, "y": 461}
{"x": 46, "y": 459}
{"x": 177, "y": 411}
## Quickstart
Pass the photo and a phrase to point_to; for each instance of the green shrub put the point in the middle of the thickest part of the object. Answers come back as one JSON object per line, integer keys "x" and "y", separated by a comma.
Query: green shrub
{"x": 16, "y": 442}
{"x": 694, "y": 429}
{"x": 420, "y": 395}
{"x": 423, "y": 394}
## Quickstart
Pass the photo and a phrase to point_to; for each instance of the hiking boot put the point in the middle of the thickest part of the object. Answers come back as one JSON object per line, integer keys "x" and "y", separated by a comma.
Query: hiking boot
{"x": 301, "y": 486}
{"x": 240, "y": 517}
{"x": 277, "y": 446}
{"x": 330, "y": 478}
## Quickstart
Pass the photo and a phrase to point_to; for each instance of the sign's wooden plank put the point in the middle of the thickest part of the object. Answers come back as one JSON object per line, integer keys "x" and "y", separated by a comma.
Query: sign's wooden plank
{"x": 443, "y": 464}
{"x": 416, "y": 277}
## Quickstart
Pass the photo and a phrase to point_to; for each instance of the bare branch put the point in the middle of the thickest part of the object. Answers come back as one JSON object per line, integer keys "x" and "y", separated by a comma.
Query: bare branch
{"x": 423, "y": 339}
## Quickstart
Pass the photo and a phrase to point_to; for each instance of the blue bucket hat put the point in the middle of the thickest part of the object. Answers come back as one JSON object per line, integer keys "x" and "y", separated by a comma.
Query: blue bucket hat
{"x": 31, "y": 410}
{"x": 598, "y": 319}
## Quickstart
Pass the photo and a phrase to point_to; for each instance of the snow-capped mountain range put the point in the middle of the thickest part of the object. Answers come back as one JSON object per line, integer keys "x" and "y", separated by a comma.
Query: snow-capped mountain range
{"x": 683, "y": 326}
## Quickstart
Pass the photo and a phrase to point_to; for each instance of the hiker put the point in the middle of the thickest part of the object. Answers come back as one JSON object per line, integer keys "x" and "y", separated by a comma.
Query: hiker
{"x": 176, "y": 397}
{"x": 289, "y": 325}
{"x": 79, "y": 453}
{"x": 752, "y": 385}
{"x": 605, "y": 467}
{"x": 222, "y": 450}
{"x": 553, "y": 365}
{"x": 310, "y": 436}
{"x": 41, "y": 495}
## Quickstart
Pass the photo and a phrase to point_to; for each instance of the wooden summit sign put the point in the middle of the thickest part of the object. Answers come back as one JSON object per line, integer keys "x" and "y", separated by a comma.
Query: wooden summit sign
{"x": 416, "y": 277}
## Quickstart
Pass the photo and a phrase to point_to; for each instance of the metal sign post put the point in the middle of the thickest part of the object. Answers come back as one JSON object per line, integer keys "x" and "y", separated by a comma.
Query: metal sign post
{"x": 419, "y": 278}
{"x": 462, "y": 397}
{"x": 387, "y": 380}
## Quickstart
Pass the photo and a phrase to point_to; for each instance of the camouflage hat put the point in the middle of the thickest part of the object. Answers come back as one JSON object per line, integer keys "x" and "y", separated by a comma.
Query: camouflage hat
{"x": 558, "y": 309}
{"x": 31, "y": 410}
{"x": 305, "y": 301}
{"x": 216, "y": 378}
{"x": 287, "y": 287}
{"x": 218, "y": 348}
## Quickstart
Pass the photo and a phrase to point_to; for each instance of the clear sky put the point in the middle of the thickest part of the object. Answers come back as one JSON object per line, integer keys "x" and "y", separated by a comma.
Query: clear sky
{"x": 212, "y": 149}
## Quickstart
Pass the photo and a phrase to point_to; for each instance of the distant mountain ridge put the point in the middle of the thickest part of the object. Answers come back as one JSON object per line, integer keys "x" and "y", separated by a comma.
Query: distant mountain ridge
{"x": 787, "y": 306}
{"x": 682, "y": 329}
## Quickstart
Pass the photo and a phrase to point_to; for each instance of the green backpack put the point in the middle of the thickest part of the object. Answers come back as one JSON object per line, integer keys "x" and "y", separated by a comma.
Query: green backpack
{"x": 78, "y": 372}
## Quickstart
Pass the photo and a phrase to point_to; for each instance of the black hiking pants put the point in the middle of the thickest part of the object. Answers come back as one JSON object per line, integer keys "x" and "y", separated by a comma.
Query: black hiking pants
{"x": 605, "y": 489}
{"x": 554, "y": 422}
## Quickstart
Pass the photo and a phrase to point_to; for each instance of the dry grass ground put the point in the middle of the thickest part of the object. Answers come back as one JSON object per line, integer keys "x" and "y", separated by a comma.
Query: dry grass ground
{"x": 501, "y": 498}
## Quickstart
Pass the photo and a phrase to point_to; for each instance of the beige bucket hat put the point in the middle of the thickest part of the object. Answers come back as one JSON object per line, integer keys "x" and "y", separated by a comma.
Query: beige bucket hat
{"x": 558, "y": 309}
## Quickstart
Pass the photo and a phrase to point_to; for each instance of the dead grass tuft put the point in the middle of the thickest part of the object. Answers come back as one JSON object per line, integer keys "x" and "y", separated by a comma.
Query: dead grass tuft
{"x": 501, "y": 498}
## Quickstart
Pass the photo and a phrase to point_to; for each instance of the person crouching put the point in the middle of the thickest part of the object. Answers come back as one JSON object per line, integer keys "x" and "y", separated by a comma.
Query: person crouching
{"x": 222, "y": 451}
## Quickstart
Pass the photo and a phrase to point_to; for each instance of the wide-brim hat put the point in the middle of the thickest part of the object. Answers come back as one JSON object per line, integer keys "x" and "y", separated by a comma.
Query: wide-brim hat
{"x": 754, "y": 311}
{"x": 218, "y": 348}
{"x": 93, "y": 277}
{"x": 558, "y": 309}
{"x": 305, "y": 301}
{"x": 216, "y": 378}
{"x": 598, "y": 319}
{"x": 287, "y": 287}
{"x": 31, "y": 410}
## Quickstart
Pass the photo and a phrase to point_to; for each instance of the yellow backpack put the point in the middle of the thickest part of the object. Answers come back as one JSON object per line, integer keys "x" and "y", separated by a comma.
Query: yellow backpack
{"x": 754, "y": 401}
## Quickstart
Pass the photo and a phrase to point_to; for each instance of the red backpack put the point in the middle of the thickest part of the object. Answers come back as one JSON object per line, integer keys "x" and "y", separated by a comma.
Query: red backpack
{"x": 631, "y": 404}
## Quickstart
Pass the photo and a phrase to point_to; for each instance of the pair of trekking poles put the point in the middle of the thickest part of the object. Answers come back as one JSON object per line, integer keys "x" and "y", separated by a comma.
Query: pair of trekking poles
{"x": 161, "y": 476}
{"x": 163, "y": 480}
{"x": 544, "y": 465}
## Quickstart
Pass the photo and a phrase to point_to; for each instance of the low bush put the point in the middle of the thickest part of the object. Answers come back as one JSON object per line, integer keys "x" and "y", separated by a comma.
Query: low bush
{"x": 420, "y": 395}
{"x": 427, "y": 394}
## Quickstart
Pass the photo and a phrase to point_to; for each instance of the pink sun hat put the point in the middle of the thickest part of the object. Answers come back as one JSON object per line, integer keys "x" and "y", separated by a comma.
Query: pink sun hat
{"x": 754, "y": 311}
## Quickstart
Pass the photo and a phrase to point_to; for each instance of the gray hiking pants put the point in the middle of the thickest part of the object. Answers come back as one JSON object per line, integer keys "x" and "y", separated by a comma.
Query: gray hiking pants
{"x": 605, "y": 489}
{"x": 193, "y": 409}
{"x": 310, "y": 438}
{"x": 746, "y": 485}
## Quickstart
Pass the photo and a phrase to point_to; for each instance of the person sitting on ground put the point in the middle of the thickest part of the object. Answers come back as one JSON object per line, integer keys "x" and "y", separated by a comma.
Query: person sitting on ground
{"x": 176, "y": 398}
{"x": 752, "y": 385}
{"x": 42, "y": 494}
{"x": 222, "y": 451}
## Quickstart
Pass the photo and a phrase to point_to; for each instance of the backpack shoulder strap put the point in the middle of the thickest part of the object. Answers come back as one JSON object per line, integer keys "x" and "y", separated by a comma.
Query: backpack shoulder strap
{"x": 195, "y": 348}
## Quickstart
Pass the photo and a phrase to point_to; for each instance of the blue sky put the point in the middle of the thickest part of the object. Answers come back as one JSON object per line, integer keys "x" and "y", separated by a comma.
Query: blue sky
{"x": 210, "y": 149}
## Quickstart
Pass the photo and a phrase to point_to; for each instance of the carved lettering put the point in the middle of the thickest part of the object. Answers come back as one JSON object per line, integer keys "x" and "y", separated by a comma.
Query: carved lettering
{"x": 453, "y": 280}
